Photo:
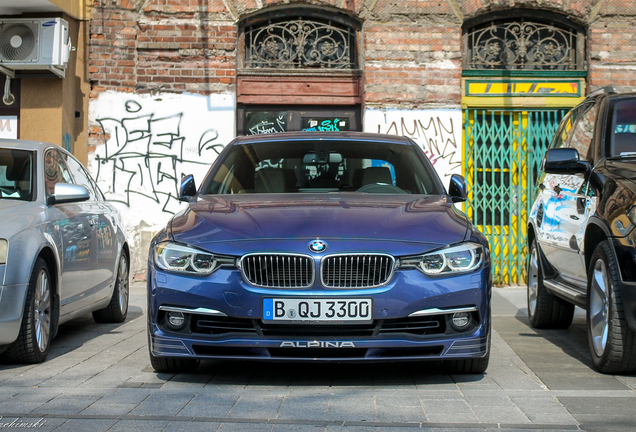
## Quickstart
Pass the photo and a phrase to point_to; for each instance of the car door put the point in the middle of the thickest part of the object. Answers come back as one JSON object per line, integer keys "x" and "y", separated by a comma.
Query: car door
{"x": 549, "y": 195}
{"x": 571, "y": 215}
{"x": 97, "y": 212}
{"x": 72, "y": 221}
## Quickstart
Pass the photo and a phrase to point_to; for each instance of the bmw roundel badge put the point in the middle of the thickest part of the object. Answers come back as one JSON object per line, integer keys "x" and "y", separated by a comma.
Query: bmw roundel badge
{"x": 317, "y": 246}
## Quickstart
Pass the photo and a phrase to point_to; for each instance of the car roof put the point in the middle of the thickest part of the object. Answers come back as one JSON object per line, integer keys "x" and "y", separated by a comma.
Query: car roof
{"x": 25, "y": 144}
{"x": 322, "y": 136}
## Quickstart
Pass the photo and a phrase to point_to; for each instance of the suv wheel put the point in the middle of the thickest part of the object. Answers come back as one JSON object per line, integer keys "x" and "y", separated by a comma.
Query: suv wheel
{"x": 545, "y": 310}
{"x": 612, "y": 342}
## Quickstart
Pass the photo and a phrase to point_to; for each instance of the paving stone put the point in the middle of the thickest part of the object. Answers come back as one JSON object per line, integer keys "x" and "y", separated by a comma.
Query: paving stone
{"x": 543, "y": 410}
{"x": 102, "y": 408}
{"x": 138, "y": 426}
{"x": 191, "y": 426}
{"x": 82, "y": 425}
{"x": 601, "y": 413}
{"x": 261, "y": 406}
{"x": 209, "y": 406}
{"x": 305, "y": 407}
{"x": 66, "y": 405}
{"x": 352, "y": 406}
{"x": 448, "y": 410}
{"x": 162, "y": 405}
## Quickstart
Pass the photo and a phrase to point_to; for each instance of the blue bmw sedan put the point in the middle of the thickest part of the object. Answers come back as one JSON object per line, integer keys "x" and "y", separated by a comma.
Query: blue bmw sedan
{"x": 320, "y": 247}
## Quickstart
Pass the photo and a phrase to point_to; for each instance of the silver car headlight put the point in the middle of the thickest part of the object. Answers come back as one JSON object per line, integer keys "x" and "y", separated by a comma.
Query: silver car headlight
{"x": 183, "y": 259}
{"x": 4, "y": 247}
{"x": 457, "y": 259}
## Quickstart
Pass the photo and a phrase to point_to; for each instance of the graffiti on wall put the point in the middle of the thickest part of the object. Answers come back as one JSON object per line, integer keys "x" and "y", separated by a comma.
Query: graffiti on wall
{"x": 439, "y": 132}
{"x": 265, "y": 122}
{"x": 148, "y": 150}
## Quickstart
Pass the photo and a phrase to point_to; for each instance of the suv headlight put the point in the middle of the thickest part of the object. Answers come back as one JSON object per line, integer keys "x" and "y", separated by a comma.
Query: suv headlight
{"x": 457, "y": 259}
{"x": 183, "y": 259}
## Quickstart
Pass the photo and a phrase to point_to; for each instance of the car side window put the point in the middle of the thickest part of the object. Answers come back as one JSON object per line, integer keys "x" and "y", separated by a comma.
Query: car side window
{"x": 80, "y": 175}
{"x": 564, "y": 131}
{"x": 55, "y": 171}
{"x": 584, "y": 129}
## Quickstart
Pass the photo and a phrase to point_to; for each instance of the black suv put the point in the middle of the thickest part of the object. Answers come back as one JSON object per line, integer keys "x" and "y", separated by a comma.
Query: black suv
{"x": 581, "y": 232}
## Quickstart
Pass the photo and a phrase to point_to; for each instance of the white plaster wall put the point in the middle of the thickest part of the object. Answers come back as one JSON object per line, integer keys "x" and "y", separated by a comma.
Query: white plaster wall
{"x": 152, "y": 142}
{"x": 438, "y": 131}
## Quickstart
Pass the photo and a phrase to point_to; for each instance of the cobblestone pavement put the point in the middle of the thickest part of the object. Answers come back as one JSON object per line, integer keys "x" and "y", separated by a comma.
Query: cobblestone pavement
{"x": 98, "y": 378}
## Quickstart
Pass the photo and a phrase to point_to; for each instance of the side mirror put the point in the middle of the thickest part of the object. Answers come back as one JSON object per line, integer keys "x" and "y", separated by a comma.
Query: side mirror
{"x": 457, "y": 189}
{"x": 68, "y": 193}
{"x": 563, "y": 161}
{"x": 187, "y": 189}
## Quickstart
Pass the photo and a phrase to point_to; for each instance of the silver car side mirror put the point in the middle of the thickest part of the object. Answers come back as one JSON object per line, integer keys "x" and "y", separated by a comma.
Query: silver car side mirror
{"x": 68, "y": 193}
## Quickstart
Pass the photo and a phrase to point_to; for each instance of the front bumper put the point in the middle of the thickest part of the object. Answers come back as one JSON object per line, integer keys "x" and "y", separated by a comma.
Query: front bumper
{"x": 248, "y": 337}
{"x": 12, "y": 298}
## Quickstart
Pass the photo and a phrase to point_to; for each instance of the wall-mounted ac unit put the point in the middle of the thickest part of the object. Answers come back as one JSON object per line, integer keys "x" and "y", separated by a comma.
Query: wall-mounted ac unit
{"x": 34, "y": 43}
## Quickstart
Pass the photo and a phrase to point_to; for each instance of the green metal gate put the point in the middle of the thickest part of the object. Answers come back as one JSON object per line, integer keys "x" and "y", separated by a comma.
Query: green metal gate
{"x": 502, "y": 153}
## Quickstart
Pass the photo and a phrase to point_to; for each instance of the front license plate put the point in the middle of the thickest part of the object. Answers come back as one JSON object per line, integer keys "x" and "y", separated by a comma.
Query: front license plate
{"x": 317, "y": 310}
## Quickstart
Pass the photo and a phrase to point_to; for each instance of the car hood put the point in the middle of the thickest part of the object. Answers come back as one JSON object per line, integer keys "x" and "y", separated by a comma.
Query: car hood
{"x": 424, "y": 222}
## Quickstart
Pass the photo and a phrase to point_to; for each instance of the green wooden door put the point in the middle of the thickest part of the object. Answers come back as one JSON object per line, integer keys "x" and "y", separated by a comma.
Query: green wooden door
{"x": 502, "y": 153}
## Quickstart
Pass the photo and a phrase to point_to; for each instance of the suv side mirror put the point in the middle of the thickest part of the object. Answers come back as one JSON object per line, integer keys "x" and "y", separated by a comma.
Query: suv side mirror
{"x": 563, "y": 161}
{"x": 187, "y": 189}
{"x": 457, "y": 188}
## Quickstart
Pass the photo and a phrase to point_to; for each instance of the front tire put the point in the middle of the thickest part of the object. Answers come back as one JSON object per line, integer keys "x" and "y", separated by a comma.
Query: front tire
{"x": 117, "y": 309}
{"x": 545, "y": 310}
{"x": 612, "y": 342}
{"x": 34, "y": 339}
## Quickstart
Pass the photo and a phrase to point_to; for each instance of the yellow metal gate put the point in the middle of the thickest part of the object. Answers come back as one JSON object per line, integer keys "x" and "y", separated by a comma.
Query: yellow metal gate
{"x": 502, "y": 153}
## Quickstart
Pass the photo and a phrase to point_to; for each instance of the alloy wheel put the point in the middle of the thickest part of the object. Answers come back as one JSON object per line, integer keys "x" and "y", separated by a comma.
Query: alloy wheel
{"x": 599, "y": 307}
{"x": 42, "y": 310}
{"x": 533, "y": 281}
{"x": 122, "y": 280}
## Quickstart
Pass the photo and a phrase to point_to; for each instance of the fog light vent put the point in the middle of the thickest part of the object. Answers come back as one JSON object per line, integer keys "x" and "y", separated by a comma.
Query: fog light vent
{"x": 176, "y": 320}
{"x": 460, "y": 320}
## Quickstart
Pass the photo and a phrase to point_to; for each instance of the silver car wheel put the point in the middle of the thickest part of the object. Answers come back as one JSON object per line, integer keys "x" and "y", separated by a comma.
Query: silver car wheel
{"x": 42, "y": 310}
{"x": 533, "y": 281}
{"x": 122, "y": 280}
{"x": 599, "y": 307}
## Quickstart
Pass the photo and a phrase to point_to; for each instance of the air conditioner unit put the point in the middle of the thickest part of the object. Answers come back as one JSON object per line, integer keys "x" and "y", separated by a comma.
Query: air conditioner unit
{"x": 35, "y": 43}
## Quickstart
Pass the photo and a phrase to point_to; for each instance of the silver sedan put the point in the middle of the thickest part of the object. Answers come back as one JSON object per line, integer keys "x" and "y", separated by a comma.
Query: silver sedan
{"x": 63, "y": 252}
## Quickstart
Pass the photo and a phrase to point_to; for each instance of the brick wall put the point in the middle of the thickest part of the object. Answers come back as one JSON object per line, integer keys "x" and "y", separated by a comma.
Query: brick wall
{"x": 411, "y": 49}
{"x": 612, "y": 55}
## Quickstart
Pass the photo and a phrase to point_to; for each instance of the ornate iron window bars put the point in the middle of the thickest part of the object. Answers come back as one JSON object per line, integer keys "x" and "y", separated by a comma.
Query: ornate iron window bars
{"x": 524, "y": 45}
{"x": 299, "y": 44}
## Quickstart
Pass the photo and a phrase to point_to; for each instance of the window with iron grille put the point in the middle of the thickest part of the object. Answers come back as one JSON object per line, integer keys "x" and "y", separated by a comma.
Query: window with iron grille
{"x": 305, "y": 40}
{"x": 523, "y": 44}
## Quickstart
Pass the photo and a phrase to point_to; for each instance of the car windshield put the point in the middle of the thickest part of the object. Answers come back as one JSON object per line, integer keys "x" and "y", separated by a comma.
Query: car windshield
{"x": 323, "y": 166}
{"x": 623, "y": 139}
{"x": 16, "y": 174}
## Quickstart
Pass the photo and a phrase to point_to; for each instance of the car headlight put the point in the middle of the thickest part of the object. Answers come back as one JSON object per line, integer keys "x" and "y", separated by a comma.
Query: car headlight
{"x": 4, "y": 246}
{"x": 457, "y": 259}
{"x": 183, "y": 259}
